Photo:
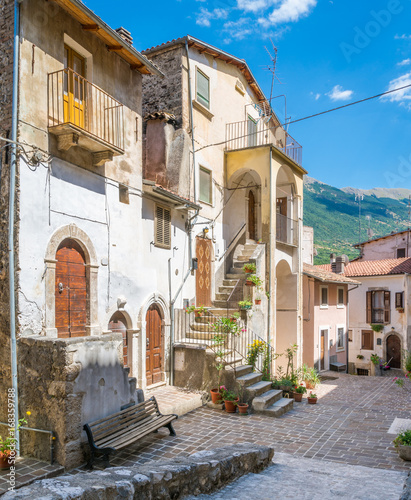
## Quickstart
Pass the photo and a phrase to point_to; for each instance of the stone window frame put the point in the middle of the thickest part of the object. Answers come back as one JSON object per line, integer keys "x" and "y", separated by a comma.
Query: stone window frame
{"x": 337, "y": 347}
{"x": 340, "y": 305}
{"x": 324, "y": 305}
{"x": 73, "y": 232}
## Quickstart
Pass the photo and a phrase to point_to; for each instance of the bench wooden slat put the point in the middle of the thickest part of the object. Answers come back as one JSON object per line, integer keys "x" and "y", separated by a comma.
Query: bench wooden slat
{"x": 132, "y": 408}
{"x": 144, "y": 420}
{"x": 95, "y": 426}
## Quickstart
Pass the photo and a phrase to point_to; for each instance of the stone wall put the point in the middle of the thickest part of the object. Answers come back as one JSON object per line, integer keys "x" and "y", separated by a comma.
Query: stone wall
{"x": 6, "y": 92}
{"x": 165, "y": 94}
{"x": 202, "y": 472}
{"x": 67, "y": 383}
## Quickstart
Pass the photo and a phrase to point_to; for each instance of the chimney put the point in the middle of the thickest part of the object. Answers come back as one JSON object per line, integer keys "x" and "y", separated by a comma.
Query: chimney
{"x": 332, "y": 262}
{"x": 340, "y": 264}
{"x": 125, "y": 35}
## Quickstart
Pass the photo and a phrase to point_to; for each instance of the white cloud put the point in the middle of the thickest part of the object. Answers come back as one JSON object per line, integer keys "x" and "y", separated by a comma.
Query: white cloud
{"x": 316, "y": 96}
{"x": 254, "y": 5}
{"x": 289, "y": 11}
{"x": 205, "y": 16}
{"x": 405, "y": 62}
{"x": 403, "y": 97}
{"x": 402, "y": 37}
{"x": 238, "y": 30}
{"x": 338, "y": 94}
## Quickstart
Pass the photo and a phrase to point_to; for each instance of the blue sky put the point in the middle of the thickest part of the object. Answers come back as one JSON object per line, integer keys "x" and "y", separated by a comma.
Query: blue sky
{"x": 329, "y": 53}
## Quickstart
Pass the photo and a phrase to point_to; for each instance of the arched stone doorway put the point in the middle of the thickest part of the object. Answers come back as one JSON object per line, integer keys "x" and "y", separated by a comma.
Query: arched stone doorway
{"x": 154, "y": 345}
{"x": 393, "y": 349}
{"x": 118, "y": 323}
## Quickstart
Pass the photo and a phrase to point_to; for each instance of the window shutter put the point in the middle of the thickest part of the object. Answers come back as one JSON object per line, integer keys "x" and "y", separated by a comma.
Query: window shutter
{"x": 399, "y": 300}
{"x": 163, "y": 227}
{"x": 387, "y": 307}
{"x": 367, "y": 340}
{"x": 203, "y": 89}
{"x": 369, "y": 299}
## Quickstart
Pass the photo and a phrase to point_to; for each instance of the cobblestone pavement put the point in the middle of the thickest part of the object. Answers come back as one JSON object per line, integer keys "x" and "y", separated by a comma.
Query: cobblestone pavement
{"x": 349, "y": 425}
{"x": 311, "y": 479}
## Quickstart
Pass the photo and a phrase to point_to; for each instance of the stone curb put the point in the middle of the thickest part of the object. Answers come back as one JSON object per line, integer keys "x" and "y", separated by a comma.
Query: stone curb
{"x": 202, "y": 472}
{"x": 406, "y": 495}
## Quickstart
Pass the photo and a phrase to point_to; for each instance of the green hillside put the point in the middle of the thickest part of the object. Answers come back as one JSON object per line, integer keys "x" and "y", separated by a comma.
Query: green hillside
{"x": 333, "y": 213}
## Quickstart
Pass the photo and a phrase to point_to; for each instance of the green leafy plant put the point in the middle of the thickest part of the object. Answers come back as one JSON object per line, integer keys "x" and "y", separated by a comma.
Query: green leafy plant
{"x": 245, "y": 304}
{"x": 7, "y": 444}
{"x": 249, "y": 268}
{"x": 300, "y": 389}
{"x": 377, "y": 328}
{"x": 360, "y": 356}
{"x": 403, "y": 438}
{"x": 228, "y": 395}
{"x": 200, "y": 310}
{"x": 407, "y": 361}
{"x": 256, "y": 280}
{"x": 254, "y": 350}
{"x": 226, "y": 325}
{"x": 309, "y": 375}
{"x": 312, "y": 395}
{"x": 375, "y": 359}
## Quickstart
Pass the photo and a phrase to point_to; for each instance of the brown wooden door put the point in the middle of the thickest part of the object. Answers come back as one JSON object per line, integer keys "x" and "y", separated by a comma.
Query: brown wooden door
{"x": 322, "y": 353}
{"x": 203, "y": 273}
{"x": 154, "y": 355}
{"x": 118, "y": 324}
{"x": 394, "y": 351}
{"x": 251, "y": 216}
{"x": 71, "y": 290}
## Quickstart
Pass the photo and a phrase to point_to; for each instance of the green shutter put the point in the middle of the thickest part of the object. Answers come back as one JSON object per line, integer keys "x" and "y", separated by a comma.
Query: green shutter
{"x": 205, "y": 185}
{"x": 203, "y": 89}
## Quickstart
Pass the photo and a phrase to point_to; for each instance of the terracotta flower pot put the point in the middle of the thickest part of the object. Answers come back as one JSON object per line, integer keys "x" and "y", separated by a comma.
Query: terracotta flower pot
{"x": 404, "y": 452}
{"x": 257, "y": 301}
{"x": 243, "y": 408}
{"x": 215, "y": 396}
{"x": 5, "y": 461}
{"x": 312, "y": 401}
{"x": 230, "y": 406}
{"x": 198, "y": 314}
{"x": 309, "y": 385}
{"x": 249, "y": 283}
{"x": 297, "y": 396}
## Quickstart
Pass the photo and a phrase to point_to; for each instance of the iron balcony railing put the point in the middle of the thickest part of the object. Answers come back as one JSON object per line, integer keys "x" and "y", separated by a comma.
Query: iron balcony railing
{"x": 248, "y": 134}
{"x": 287, "y": 230}
{"x": 74, "y": 100}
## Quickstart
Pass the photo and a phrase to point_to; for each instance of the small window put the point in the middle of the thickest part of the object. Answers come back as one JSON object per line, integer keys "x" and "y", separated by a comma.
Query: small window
{"x": 324, "y": 296}
{"x": 399, "y": 300}
{"x": 205, "y": 185}
{"x": 162, "y": 237}
{"x": 400, "y": 253}
{"x": 340, "y": 297}
{"x": 367, "y": 340}
{"x": 340, "y": 338}
{"x": 349, "y": 335}
{"x": 123, "y": 194}
{"x": 203, "y": 89}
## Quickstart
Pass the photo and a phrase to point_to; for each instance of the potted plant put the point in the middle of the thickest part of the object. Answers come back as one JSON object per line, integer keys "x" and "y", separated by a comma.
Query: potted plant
{"x": 198, "y": 311}
{"x": 242, "y": 407}
{"x": 230, "y": 399}
{"x": 219, "y": 340}
{"x": 377, "y": 328}
{"x": 245, "y": 304}
{"x": 375, "y": 359}
{"x": 249, "y": 268}
{"x": 312, "y": 398}
{"x": 254, "y": 280}
{"x": 298, "y": 392}
{"x": 7, "y": 447}
{"x": 257, "y": 300}
{"x": 360, "y": 356}
{"x": 254, "y": 350}
{"x": 403, "y": 444}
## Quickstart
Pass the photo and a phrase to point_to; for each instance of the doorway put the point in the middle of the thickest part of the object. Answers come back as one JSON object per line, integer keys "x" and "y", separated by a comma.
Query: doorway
{"x": 74, "y": 87}
{"x": 394, "y": 351}
{"x": 154, "y": 346}
{"x": 71, "y": 301}
{"x": 251, "y": 216}
{"x": 203, "y": 273}
{"x": 118, "y": 323}
{"x": 323, "y": 364}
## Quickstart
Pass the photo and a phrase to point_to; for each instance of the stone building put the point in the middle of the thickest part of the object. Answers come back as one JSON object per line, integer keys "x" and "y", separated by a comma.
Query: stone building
{"x": 244, "y": 171}
{"x": 97, "y": 249}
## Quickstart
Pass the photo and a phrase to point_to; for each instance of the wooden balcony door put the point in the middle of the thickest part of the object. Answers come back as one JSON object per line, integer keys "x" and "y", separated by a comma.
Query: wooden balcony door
{"x": 70, "y": 291}
{"x": 203, "y": 273}
{"x": 74, "y": 87}
{"x": 154, "y": 348}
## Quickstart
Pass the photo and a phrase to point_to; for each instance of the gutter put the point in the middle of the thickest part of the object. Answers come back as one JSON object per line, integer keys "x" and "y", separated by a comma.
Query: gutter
{"x": 12, "y": 193}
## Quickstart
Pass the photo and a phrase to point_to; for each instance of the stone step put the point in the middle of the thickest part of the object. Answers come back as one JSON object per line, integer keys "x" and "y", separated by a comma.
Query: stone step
{"x": 223, "y": 311}
{"x": 231, "y": 283}
{"x": 249, "y": 379}
{"x": 242, "y": 258}
{"x": 200, "y": 335}
{"x": 233, "y": 362}
{"x": 220, "y": 304}
{"x": 280, "y": 407}
{"x": 201, "y": 327}
{"x": 237, "y": 265}
{"x": 258, "y": 388}
{"x": 222, "y": 296}
{"x": 225, "y": 289}
{"x": 267, "y": 399}
{"x": 243, "y": 370}
{"x": 247, "y": 251}
{"x": 234, "y": 275}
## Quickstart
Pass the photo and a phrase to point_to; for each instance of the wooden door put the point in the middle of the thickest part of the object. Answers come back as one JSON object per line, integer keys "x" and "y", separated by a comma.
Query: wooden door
{"x": 71, "y": 290}
{"x": 118, "y": 324}
{"x": 322, "y": 350}
{"x": 154, "y": 355}
{"x": 282, "y": 219}
{"x": 394, "y": 351}
{"x": 251, "y": 216}
{"x": 203, "y": 273}
{"x": 74, "y": 87}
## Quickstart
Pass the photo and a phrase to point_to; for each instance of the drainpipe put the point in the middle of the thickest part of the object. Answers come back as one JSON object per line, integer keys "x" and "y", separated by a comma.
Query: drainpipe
{"x": 348, "y": 324}
{"x": 192, "y": 124}
{"x": 12, "y": 285}
{"x": 269, "y": 260}
{"x": 172, "y": 301}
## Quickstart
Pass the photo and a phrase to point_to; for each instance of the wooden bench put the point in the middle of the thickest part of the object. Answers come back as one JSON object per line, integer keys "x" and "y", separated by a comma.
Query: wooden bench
{"x": 120, "y": 429}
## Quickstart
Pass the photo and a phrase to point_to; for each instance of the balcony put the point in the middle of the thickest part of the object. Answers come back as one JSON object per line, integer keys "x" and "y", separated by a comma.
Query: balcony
{"x": 248, "y": 134}
{"x": 81, "y": 114}
{"x": 287, "y": 230}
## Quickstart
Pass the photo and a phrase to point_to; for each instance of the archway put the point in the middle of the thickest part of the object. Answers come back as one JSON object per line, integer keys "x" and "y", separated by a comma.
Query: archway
{"x": 118, "y": 323}
{"x": 154, "y": 345}
{"x": 393, "y": 350}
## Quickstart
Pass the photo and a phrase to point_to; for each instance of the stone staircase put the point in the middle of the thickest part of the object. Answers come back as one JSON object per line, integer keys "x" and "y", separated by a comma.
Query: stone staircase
{"x": 259, "y": 394}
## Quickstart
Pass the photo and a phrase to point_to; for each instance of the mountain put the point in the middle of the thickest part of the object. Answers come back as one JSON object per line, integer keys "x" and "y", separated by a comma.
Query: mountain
{"x": 334, "y": 215}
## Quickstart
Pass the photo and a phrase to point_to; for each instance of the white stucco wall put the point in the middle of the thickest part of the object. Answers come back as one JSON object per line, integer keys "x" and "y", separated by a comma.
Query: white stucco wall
{"x": 386, "y": 248}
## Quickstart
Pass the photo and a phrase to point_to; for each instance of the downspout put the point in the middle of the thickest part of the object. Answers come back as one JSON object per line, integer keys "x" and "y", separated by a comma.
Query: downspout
{"x": 12, "y": 284}
{"x": 269, "y": 260}
{"x": 348, "y": 325}
{"x": 172, "y": 301}
{"x": 192, "y": 124}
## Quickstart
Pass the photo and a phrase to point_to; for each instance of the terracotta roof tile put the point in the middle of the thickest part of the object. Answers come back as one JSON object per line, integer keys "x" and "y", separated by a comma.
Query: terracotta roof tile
{"x": 374, "y": 267}
{"x": 326, "y": 275}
